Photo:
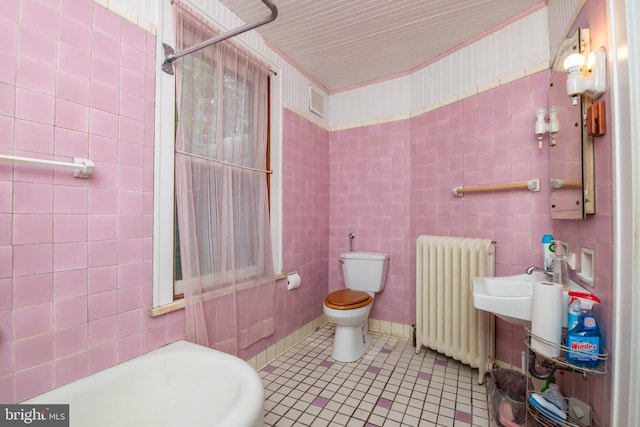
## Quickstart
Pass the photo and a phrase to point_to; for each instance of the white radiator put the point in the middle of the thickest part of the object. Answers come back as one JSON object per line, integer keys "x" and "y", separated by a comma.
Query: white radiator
{"x": 446, "y": 320}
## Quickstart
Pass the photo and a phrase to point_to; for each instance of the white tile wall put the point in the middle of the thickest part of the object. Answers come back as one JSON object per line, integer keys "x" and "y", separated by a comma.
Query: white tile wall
{"x": 386, "y": 99}
{"x": 148, "y": 10}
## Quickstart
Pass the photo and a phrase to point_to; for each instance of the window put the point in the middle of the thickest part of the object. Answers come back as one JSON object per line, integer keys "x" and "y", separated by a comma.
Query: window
{"x": 166, "y": 235}
{"x": 221, "y": 126}
{"x": 165, "y": 265}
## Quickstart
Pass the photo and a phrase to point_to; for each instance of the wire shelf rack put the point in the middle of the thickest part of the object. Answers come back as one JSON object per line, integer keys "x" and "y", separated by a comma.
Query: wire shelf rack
{"x": 562, "y": 362}
{"x": 574, "y": 418}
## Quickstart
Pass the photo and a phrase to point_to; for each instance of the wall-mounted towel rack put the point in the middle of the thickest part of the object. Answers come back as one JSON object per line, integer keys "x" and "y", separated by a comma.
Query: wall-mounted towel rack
{"x": 82, "y": 168}
{"x": 531, "y": 185}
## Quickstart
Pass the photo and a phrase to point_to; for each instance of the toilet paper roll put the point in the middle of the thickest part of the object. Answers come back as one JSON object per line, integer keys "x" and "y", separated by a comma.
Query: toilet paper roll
{"x": 293, "y": 280}
{"x": 546, "y": 318}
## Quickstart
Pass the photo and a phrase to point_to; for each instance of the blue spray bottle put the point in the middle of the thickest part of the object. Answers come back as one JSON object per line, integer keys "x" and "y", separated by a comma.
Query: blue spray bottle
{"x": 583, "y": 340}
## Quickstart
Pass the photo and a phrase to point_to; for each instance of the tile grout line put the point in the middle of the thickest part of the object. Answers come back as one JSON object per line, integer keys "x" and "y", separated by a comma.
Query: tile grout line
{"x": 383, "y": 383}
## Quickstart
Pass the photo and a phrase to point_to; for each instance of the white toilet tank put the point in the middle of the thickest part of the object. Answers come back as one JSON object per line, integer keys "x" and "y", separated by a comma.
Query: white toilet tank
{"x": 364, "y": 271}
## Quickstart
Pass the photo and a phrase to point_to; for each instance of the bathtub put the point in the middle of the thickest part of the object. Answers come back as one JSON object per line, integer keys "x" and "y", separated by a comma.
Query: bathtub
{"x": 181, "y": 384}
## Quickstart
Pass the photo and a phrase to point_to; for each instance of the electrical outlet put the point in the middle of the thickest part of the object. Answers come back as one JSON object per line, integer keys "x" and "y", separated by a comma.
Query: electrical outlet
{"x": 580, "y": 411}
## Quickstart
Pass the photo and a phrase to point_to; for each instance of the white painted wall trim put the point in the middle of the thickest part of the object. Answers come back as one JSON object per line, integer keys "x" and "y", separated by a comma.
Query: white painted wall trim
{"x": 163, "y": 203}
{"x": 277, "y": 153}
{"x": 624, "y": 62}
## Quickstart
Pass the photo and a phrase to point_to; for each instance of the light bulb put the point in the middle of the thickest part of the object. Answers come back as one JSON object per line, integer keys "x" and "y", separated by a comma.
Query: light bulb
{"x": 554, "y": 125}
{"x": 573, "y": 63}
{"x": 541, "y": 125}
{"x": 591, "y": 61}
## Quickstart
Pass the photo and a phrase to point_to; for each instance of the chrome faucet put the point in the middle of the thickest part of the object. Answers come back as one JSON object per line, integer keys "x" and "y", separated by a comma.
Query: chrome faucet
{"x": 548, "y": 274}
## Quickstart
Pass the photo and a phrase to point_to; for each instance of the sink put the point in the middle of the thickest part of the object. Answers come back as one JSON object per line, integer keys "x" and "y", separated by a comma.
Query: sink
{"x": 509, "y": 297}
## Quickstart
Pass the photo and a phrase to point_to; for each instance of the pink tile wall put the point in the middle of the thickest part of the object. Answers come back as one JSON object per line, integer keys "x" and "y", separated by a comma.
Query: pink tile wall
{"x": 75, "y": 255}
{"x": 370, "y": 196}
{"x": 305, "y": 227}
{"x": 306, "y": 222}
{"x": 392, "y": 182}
{"x": 485, "y": 139}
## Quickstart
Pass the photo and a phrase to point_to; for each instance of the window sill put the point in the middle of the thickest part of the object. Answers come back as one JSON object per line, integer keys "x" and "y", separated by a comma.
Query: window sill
{"x": 167, "y": 308}
{"x": 179, "y": 304}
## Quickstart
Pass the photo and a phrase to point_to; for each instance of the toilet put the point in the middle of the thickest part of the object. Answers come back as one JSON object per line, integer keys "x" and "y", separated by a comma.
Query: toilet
{"x": 364, "y": 274}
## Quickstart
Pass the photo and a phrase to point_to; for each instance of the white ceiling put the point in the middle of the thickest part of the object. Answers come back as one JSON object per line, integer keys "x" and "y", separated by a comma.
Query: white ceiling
{"x": 344, "y": 43}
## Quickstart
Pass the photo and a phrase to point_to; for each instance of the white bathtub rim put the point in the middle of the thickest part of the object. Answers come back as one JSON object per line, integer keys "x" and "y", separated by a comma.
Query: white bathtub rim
{"x": 252, "y": 390}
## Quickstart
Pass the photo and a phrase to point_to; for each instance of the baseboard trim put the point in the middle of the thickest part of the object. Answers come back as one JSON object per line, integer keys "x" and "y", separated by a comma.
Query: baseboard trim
{"x": 263, "y": 358}
{"x": 383, "y": 327}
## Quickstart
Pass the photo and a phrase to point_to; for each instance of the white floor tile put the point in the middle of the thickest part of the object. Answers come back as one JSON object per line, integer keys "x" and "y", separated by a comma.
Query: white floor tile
{"x": 390, "y": 385}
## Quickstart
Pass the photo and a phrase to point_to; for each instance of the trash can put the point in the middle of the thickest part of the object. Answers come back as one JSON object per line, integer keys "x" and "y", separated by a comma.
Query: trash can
{"x": 508, "y": 396}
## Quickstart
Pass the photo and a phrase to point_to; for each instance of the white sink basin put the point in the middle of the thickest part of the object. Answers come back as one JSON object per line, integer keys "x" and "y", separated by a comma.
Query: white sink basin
{"x": 509, "y": 297}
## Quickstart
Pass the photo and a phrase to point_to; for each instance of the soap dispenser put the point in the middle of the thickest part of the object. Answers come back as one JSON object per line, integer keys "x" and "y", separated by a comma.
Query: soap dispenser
{"x": 560, "y": 267}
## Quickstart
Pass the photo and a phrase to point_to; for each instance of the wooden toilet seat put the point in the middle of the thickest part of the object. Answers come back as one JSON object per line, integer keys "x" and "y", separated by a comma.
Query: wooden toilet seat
{"x": 346, "y": 299}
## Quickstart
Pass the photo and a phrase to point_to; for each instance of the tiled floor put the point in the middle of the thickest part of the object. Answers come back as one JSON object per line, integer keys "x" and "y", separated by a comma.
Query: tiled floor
{"x": 390, "y": 385}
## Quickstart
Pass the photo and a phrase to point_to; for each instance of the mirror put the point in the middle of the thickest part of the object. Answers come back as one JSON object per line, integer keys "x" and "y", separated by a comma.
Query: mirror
{"x": 571, "y": 148}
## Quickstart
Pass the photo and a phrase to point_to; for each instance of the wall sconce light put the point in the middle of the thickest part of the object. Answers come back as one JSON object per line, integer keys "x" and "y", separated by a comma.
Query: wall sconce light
{"x": 590, "y": 79}
{"x": 542, "y": 127}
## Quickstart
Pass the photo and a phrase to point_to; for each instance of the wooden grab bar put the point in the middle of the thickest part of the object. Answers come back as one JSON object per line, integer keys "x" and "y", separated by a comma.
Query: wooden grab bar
{"x": 557, "y": 183}
{"x": 531, "y": 185}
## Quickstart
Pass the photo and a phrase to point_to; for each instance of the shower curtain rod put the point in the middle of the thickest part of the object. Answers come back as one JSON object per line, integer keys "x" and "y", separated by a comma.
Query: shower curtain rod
{"x": 170, "y": 55}
{"x": 222, "y": 162}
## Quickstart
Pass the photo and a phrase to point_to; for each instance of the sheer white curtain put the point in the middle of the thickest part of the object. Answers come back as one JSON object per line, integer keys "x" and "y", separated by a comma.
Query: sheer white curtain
{"x": 221, "y": 190}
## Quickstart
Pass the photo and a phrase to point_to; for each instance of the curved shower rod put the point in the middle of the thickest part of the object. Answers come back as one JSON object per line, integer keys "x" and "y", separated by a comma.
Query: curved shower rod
{"x": 170, "y": 55}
